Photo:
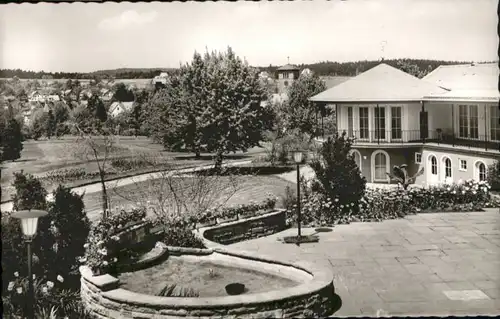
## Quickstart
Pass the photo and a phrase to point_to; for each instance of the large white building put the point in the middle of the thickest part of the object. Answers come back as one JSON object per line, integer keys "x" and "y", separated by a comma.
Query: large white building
{"x": 448, "y": 122}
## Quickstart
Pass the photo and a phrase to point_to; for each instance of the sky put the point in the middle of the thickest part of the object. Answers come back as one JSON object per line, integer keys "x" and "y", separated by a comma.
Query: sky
{"x": 85, "y": 37}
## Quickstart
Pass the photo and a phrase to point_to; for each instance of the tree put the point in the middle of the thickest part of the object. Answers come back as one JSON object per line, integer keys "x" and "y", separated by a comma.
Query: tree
{"x": 493, "y": 176}
{"x": 337, "y": 174}
{"x": 298, "y": 111}
{"x": 50, "y": 125}
{"x": 96, "y": 143}
{"x": 11, "y": 144}
{"x": 122, "y": 94}
{"x": 212, "y": 104}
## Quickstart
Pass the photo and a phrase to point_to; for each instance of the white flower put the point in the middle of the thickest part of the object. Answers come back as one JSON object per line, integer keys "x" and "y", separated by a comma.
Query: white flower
{"x": 463, "y": 192}
{"x": 105, "y": 263}
{"x": 115, "y": 238}
{"x": 60, "y": 278}
{"x": 34, "y": 276}
{"x": 19, "y": 290}
{"x": 44, "y": 290}
{"x": 86, "y": 246}
{"x": 50, "y": 284}
{"x": 100, "y": 242}
{"x": 448, "y": 189}
{"x": 103, "y": 252}
{"x": 16, "y": 274}
{"x": 82, "y": 259}
{"x": 336, "y": 200}
{"x": 11, "y": 286}
{"x": 115, "y": 259}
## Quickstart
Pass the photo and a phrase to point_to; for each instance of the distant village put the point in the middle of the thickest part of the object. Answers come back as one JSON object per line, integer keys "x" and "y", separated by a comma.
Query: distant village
{"x": 27, "y": 97}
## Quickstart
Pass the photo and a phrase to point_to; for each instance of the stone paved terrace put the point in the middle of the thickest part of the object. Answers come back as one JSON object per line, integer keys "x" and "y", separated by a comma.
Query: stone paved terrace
{"x": 426, "y": 264}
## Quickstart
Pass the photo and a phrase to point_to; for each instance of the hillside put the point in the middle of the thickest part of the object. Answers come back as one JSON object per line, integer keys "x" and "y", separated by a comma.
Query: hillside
{"x": 320, "y": 68}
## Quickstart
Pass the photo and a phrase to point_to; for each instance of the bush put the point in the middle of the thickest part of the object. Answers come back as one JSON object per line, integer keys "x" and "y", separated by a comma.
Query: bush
{"x": 494, "y": 176}
{"x": 337, "y": 175}
{"x": 70, "y": 226}
{"x": 30, "y": 193}
{"x": 381, "y": 204}
{"x": 181, "y": 237}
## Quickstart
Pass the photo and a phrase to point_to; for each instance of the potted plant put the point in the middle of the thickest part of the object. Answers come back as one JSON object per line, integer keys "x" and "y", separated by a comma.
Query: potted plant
{"x": 227, "y": 215}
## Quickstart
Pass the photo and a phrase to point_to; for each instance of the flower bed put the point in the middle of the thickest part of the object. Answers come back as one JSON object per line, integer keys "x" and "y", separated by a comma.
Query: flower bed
{"x": 380, "y": 204}
{"x": 228, "y": 214}
{"x": 70, "y": 175}
{"x": 110, "y": 234}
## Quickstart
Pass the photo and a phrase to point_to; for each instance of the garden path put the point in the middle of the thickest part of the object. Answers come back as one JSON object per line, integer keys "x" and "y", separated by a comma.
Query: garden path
{"x": 96, "y": 187}
{"x": 425, "y": 264}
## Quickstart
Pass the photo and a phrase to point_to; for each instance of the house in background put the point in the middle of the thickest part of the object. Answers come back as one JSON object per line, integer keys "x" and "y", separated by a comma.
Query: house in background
{"x": 106, "y": 94}
{"x": 447, "y": 123}
{"x": 118, "y": 108}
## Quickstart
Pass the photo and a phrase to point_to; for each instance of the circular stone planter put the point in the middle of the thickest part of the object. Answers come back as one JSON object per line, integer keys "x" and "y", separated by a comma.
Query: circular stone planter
{"x": 313, "y": 296}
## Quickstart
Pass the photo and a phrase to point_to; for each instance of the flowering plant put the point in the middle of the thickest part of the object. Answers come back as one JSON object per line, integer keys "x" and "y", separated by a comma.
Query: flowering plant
{"x": 100, "y": 254}
{"x": 47, "y": 294}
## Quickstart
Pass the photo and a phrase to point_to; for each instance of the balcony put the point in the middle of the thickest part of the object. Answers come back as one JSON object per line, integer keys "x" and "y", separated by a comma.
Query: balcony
{"x": 408, "y": 137}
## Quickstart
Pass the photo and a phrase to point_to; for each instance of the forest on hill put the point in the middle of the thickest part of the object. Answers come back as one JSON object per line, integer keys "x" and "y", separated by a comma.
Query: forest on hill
{"x": 320, "y": 68}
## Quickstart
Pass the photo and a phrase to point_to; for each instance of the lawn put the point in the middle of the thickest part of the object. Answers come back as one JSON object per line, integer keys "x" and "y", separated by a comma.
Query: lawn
{"x": 43, "y": 156}
{"x": 227, "y": 190}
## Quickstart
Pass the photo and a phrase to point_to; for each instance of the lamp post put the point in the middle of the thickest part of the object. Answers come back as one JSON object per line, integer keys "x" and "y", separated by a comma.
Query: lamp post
{"x": 29, "y": 225}
{"x": 297, "y": 156}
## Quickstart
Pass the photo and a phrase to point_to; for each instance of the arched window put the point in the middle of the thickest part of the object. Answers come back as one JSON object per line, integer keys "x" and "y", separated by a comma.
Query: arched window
{"x": 480, "y": 171}
{"x": 380, "y": 166}
{"x": 447, "y": 167}
{"x": 434, "y": 165}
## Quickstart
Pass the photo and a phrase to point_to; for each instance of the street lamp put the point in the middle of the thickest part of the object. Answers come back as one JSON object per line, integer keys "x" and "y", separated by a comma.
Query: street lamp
{"x": 29, "y": 225}
{"x": 297, "y": 156}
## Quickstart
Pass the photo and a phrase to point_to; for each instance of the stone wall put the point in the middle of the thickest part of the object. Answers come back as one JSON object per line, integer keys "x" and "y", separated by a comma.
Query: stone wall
{"x": 103, "y": 297}
{"x": 246, "y": 229}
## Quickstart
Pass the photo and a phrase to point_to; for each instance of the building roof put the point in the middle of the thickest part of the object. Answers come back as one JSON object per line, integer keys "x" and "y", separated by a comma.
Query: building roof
{"x": 466, "y": 82}
{"x": 288, "y": 67}
{"x": 331, "y": 81}
{"x": 126, "y": 106}
{"x": 465, "y": 76}
{"x": 382, "y": 83}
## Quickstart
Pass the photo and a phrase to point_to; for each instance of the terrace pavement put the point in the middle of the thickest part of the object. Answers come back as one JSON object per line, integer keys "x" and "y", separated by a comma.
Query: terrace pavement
{"x": 425, "y": 264}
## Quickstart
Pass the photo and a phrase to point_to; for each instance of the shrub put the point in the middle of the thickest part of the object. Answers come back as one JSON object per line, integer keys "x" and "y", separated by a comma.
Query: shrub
{"x": 30, "y": 193}
{"x": 60, "y": 236}
{"x": 181, "y": 237}
{"x": 494, "y": 176}
{"x": 337, "y": 174}
{"x": 70, "y": 226}
{"x": 380, "y": 204}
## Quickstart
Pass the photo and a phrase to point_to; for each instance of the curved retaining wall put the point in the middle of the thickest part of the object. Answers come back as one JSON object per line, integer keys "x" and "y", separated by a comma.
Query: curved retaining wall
{"x": 311, "y": 298}
{"x": 245, "y": 229}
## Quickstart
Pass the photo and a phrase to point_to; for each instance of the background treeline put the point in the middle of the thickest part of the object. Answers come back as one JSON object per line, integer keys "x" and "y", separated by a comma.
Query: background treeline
{"x": 320, "y": 68}
{"x": 351, "y": 68}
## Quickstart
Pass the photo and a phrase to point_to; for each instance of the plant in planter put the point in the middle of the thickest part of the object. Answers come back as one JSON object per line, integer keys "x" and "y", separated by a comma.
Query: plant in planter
{"x": 228, "y": 214}
{"x": 172, "y": 290}
{"x": 400, "y": 174}
{"x": 208, "y": 218}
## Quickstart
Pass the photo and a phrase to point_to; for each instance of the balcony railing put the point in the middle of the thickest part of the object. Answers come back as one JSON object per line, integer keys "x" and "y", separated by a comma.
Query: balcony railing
{"x": 416, "y": 136}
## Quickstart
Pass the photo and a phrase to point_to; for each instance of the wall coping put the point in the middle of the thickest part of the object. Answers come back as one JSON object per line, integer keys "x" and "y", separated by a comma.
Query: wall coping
{"x": 201, "y": 231}
{"x": 322, "y": 278}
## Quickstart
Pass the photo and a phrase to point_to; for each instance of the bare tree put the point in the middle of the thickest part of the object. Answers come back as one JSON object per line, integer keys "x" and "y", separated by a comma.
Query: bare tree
{"x": 172, "y": 195}
{"x": 96, "y": 144}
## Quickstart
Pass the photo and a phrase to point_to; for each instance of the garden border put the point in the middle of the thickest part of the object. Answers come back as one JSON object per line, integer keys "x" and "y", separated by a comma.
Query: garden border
{"x": 103, "y": 296}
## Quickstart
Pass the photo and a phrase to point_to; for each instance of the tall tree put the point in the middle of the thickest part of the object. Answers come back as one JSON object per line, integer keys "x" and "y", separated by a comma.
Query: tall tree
{"x": 50, "y": 125}
{"x": 11, "y": 143}
{"x": 213, "y": 104}
{"x": 298, "y": 112}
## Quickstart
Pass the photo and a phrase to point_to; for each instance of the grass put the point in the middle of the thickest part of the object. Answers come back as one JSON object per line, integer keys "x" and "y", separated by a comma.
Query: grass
{"x": 207, "y": 279}
{"x": 43, "y": 156}
{"x": 248, "y": 188}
